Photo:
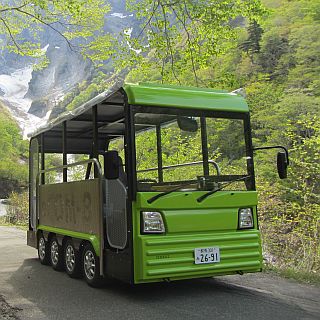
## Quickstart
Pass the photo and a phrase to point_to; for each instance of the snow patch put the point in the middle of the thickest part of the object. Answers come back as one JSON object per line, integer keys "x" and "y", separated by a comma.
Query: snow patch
{"x": 45, "y": 48}
{"x": 15, "y": 87}
{"x": 118, "y": 15}
{"x": 128, "y": 32}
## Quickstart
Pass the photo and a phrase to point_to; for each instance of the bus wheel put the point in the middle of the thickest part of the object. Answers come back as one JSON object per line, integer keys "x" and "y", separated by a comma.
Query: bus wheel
{"x": 43, "y": 250}
{"x": 72, "y": 260}
{"x": 56, "y": 255}
{"x": 91, "y": 269}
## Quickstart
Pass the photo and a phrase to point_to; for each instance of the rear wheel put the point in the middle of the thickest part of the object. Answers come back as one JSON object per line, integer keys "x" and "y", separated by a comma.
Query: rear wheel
{"x": 56, "y": 255}
{"x": 91, "y": 267}
{"x": 43, "y": 250}
{"x": 72, "y": 260}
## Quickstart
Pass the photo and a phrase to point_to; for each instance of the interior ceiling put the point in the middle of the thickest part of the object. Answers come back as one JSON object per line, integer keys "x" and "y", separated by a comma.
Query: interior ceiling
{"x": 110, "y": 122}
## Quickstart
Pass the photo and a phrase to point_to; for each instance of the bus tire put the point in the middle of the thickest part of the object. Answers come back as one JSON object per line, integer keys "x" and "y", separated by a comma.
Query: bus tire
{"x": 91, "y": 267}
{"x": 72, "y": 260}
{"x": 56, "y": 254}
{"x": 43, "y": 250}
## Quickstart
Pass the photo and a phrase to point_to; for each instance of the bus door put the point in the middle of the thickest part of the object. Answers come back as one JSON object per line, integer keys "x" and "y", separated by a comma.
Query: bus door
{"x": 116, "y": 197}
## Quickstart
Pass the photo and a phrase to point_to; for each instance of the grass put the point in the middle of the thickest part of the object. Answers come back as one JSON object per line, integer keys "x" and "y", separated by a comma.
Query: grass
{"x": 303, "y": 277}
{"x": 3, "y": 222}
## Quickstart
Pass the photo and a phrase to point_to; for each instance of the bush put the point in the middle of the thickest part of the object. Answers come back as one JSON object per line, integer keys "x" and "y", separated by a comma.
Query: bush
{"x": 18, "y": 210}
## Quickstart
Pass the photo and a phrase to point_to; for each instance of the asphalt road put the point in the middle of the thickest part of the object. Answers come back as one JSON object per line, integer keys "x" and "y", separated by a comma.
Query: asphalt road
{"x": 29, "y": 290}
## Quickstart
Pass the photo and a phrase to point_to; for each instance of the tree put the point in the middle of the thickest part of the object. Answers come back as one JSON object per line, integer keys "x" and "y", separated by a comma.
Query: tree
{"x": 71, "y": 19}
{"x": 176, "y": 36}
{"x": 252, "y": 44}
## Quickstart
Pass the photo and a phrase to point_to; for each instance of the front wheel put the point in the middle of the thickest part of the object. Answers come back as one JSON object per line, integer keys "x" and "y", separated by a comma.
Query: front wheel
{"x": 91, "y": 267}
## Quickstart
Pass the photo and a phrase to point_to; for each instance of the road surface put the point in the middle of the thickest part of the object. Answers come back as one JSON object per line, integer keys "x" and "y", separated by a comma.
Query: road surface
{"x": 29, "y": 290}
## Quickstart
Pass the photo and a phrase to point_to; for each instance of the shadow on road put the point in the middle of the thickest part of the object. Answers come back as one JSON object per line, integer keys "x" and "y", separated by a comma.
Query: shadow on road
{"x": 59, "y": 297}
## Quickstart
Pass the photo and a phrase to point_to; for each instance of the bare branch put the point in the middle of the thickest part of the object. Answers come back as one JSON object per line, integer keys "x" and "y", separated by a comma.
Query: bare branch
{"x": 154, "y": 8}
{"x": 11, "y": 36}
{"x": 169, "y": 4}
{"x": 169, "y": 42}
{"x": 48, "y": 25}
{"x": 183, "y": 21}
{"x": 13, "y": 8}
{"x": 162, "y": 70}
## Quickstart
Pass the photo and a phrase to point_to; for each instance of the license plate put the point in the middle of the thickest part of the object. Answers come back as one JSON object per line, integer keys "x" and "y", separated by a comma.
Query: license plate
{"x": 206, "y": 255}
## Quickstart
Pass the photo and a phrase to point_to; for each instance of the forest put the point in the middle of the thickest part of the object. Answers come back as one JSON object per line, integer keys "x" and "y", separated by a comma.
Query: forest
{"x": 274, "y": 55}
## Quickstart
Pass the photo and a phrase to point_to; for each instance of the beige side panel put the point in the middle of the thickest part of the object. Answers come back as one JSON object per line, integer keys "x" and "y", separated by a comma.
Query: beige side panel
{"x": 75, "y": 206}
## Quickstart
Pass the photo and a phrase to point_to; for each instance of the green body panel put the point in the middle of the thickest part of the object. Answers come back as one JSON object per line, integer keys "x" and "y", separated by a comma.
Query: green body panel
{"x": 190, "y": 225}
{"x": 184, "y": 97}
{"x": 94, "y": 239}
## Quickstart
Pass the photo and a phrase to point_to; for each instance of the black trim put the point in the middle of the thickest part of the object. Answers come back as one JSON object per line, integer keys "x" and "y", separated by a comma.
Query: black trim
{"x": 249, "y": 151}
{"x": 95, "y": 146}
{"x": 31, "y": 164}
{"x": 130, "y": 145}
{"x": 159, "y": 153}
{"x": 257, "y": 217}
{"x": 204, "y": 142}
{"x": 245, "y": 116}
{"x": 43, "y": 180}
{"x": 190, "y": 112}
{"x": 274, "y": 147}
{"x": 64, "y": 151}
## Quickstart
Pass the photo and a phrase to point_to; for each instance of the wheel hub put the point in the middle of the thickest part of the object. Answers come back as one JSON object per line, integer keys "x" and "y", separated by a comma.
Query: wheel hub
{"x": 70, "y": 258}
{"x": 42, "y": 248}
{"x": 54, "y": 252}
{"x": 89, "y": 265}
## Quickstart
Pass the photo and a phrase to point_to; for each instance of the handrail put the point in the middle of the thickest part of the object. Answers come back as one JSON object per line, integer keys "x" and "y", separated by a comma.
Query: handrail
{"x": 74, "y": 164}
{"x": 184, "y": 165}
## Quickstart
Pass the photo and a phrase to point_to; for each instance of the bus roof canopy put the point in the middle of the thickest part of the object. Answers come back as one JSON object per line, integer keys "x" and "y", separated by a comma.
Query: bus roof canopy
{"x": 184, "y": 97}
{"x": 110, "y": 113}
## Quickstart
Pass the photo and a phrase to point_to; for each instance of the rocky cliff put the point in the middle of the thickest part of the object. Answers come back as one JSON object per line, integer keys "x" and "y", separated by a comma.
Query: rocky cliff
{"x": 31, "y": 95}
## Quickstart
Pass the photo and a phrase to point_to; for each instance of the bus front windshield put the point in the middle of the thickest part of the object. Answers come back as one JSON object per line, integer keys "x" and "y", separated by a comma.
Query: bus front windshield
{"x": 194, "y": 152}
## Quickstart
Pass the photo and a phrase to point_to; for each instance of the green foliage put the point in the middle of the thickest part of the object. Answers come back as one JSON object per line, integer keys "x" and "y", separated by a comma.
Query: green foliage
{"x": 225, "y": 147}
{"x": 71, "y": 19}
{"x": 280, "y": 72}
{"x": 179, "y": 36}
{"x": 13, "y": 151}
{"x": 284, "y": 99}
{"x": 18, "y": 210}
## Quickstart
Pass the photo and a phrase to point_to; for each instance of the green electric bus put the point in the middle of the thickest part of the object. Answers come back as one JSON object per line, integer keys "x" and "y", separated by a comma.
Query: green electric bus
{"x": 147, "y": 183}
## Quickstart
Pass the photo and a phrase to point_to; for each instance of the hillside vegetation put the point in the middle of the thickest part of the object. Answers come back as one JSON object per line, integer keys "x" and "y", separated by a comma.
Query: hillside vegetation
{"x": 13, "y": 155}
{"x": 277, "y": 61}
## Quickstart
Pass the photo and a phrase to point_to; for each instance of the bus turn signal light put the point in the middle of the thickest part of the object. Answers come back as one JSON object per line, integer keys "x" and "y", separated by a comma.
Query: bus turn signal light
{"x": 245, "y": 218}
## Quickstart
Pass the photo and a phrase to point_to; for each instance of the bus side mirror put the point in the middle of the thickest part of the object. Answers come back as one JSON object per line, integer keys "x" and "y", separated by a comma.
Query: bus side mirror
{"x": 282, "y": 164}
{"x": 188, "y": 124}
{"x": 111, "y": 165}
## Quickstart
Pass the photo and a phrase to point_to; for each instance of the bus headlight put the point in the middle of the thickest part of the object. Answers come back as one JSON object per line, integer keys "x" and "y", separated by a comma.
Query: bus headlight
{"x": 245, "y": 218}
{"x": 152, "y": 222}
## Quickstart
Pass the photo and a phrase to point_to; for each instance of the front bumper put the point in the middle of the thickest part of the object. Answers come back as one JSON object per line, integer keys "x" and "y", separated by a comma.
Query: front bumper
{"x": 171, "y": 257}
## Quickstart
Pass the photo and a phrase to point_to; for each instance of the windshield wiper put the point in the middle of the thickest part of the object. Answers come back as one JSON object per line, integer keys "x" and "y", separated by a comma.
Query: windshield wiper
{"x": 157, "y": 196}
{"x": 204, "y": 196}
